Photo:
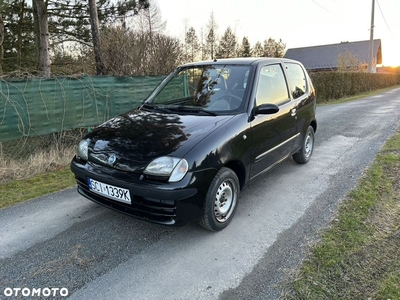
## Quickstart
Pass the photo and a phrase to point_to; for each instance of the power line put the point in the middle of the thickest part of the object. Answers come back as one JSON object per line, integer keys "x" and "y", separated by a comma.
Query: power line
{"x": 383, "y": 16}
{"x": 323, "y": 7}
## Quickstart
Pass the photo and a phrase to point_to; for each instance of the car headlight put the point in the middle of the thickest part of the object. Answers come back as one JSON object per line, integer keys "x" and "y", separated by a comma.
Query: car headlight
{"x": 172, "y": 167}
{"x": 82, "y": 150}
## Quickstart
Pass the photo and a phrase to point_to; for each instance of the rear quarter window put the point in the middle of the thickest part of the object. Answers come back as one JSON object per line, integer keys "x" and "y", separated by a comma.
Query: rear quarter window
{"x": 297, "y": 80}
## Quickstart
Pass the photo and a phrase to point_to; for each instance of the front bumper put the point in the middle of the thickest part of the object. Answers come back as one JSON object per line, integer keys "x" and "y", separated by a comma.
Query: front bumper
{"x": 174, "y": 204}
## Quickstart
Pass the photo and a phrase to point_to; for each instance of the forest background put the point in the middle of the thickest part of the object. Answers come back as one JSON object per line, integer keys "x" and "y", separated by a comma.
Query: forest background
{"x": 126, "y": 38}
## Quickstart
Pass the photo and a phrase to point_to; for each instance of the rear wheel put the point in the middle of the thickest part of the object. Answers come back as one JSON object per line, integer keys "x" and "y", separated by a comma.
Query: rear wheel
{"x": 221, "y": 201}
{"x": 304, "y": 154}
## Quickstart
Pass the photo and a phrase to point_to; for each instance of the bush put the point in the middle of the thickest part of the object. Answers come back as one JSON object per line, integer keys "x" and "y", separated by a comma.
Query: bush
{"x": 336, "y": 85}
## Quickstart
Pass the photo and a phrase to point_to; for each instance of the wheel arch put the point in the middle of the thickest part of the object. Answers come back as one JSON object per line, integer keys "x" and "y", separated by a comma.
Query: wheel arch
{"x": 237, "y": 167}
{"x": 313, "y": 124}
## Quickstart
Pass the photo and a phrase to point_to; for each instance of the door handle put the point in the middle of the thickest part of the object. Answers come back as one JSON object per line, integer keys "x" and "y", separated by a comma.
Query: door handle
{"x": 293, "y": 112}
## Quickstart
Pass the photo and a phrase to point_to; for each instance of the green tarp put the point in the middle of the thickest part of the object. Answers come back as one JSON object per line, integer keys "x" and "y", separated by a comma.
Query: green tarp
{"x": 34, "y": 107}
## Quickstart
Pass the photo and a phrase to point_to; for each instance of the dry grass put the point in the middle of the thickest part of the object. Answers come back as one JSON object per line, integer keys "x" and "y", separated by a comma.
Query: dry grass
{"x": 28, "y": 157}
{"x": 35, "y": 164}
{"x": 33, "y": 167}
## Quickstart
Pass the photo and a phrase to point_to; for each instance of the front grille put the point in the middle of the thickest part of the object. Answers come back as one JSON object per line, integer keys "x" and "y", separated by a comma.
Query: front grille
{"x": 159, "y": 211}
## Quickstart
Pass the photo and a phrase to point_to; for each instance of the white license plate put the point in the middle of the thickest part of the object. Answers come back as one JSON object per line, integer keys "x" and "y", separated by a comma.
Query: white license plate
{"x": 110, "y": 191}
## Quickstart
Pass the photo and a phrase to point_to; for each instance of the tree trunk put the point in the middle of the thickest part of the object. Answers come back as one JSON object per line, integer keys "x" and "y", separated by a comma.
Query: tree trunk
{"x": 20, "y": 33}
{"x": 42, "y": 37}
{"x": 1, "y": 43}
{"x": 94, "y": 22}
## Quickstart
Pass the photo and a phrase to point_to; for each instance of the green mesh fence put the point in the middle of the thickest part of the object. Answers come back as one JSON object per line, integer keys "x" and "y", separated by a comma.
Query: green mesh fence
{"x": 36, "y": 107}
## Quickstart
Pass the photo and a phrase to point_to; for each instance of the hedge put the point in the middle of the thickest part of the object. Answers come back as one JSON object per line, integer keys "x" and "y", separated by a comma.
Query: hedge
{"x": 336, "y": 85}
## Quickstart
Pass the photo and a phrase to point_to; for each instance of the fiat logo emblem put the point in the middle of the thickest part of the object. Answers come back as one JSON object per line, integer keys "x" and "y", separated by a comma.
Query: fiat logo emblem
{"x": 112, "y": 159}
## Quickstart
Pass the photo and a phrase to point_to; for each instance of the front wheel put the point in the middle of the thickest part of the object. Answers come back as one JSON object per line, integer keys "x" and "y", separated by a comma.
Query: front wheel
{"x": 221, "y": 201}
{"x": 304, "y": 154}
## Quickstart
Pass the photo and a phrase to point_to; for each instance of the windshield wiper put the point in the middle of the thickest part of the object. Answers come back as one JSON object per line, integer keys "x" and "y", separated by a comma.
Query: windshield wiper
{"x": 179, "y": 108}
{"x": 211, "y": 113}
{"x": 194, "y": 110}
{"x": 158, "y": 108}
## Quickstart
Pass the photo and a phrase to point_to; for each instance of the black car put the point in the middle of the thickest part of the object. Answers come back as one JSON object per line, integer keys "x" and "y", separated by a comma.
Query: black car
{"x": 205, "y": 132}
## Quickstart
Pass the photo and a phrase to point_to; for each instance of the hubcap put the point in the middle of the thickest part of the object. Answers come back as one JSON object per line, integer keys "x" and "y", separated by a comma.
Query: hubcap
{"x": 225, "y": 201}
{"x": 308, "y": 145}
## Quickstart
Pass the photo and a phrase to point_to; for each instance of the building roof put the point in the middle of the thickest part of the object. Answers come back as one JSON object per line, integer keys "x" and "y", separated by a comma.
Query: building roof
{"x": 325, "y": 56}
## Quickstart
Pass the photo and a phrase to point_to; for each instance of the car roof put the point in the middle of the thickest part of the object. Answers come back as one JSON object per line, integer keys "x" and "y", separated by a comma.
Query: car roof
{"x": 240, "y": 61}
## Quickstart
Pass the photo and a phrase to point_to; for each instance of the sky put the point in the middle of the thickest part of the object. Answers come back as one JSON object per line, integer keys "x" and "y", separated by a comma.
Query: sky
{"x": 298, "y": 23}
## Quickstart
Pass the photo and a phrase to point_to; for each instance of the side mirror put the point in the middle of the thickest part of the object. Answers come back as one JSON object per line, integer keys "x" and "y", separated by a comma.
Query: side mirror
{"x": 266, "y": 109}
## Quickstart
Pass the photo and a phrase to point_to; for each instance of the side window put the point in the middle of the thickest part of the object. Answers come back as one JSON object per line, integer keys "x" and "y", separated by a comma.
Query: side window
{"x": 271, "y": 86}
{"x": 297, "y": 79}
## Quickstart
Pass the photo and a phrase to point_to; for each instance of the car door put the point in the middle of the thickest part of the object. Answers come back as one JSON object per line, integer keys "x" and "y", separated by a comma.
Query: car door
{"x": 273, "y": 135}
{"x": 302, "y": 98}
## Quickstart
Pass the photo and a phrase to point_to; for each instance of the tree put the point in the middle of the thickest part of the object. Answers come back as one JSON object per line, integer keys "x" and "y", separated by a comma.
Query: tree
{"x": 227, "y": 45}
{"x": 150, "y": 20}
{"x": 203, "y": 51}
{"x": 133, "y": 57}
{"x": 273, "y": 48}
{"x": 211, "y": 38}
{"x": 19, "y": 50}
{"x": 245, "y": 48}
{"x": 348, "y": 62}
{"x": 258, "y": 50}
{"x": 94, "y": 22}
{"x": 166, "y": 56}
{"x": 192, "y": 45}
{"x": 2, "y": 8}
{"x": 42, "y": 37}
{"x": 69, "y": 21}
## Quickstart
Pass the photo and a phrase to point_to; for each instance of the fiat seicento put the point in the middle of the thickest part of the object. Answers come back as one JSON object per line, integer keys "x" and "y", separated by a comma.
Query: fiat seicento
{"x": 206, "y": 131}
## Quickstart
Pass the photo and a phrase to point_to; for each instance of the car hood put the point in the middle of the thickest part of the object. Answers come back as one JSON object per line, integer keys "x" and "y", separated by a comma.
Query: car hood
{"x": 132, "y": 140}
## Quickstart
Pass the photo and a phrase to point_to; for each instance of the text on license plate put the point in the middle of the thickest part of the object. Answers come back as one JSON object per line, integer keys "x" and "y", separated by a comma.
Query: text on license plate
{"x": 109, "y": 191}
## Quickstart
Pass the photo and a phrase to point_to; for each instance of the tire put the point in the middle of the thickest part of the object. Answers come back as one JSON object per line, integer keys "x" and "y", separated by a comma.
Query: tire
{"x": 304, "y": 154}
{"x": 221, "y": 201}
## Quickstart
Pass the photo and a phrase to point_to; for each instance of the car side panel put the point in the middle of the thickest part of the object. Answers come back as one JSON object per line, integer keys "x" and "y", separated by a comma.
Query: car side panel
{"x": 230, "y": 142}
{"x": 273, "y": 138}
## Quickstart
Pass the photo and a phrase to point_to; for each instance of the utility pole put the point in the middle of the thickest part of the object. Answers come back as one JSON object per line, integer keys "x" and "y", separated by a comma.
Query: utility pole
{"x": 371, "y": 40}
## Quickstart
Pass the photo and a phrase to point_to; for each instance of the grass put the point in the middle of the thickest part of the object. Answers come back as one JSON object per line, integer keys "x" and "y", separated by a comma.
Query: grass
{"x": 30, "y": 156}
{"x": 21, "y": 190}
{"x": 358, "y": 256}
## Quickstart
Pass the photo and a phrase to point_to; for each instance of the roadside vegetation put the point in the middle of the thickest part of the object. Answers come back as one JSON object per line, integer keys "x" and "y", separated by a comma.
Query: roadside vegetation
{"x": 21, "y": 190}
{"x": 358, "y": 255}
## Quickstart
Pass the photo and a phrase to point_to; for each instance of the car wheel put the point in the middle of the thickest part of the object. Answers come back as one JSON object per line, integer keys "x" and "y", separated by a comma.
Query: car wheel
{"x": 221, "y": 201}
{"x": 304, "y": 154}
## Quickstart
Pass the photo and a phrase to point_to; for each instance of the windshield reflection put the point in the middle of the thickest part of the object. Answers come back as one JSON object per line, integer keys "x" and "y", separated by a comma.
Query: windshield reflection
{"x": 217, "y": 88}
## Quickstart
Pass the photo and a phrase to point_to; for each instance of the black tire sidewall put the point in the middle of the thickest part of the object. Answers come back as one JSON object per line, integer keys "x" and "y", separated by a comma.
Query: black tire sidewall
{"x": 208, "y": 220}
{"x": 300, "y": 157}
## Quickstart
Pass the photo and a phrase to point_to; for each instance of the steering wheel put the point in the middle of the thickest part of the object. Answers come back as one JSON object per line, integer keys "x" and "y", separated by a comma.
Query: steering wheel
{"x": 234, "y": 100}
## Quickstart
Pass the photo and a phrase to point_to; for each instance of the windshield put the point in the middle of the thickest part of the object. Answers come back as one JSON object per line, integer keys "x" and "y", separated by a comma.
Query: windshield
{"x": 214, "y": 88}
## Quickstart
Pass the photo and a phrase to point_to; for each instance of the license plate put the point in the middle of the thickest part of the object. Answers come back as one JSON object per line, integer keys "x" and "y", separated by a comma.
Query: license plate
{"x": 110, "y": 191}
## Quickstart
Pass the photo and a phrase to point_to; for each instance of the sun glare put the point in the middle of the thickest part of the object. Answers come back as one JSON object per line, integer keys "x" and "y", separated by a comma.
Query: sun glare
{"x": 390, "y": 58}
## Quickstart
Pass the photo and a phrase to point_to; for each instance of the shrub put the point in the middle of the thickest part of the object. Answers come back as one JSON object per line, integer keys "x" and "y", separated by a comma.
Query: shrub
{"x": 336, "y": 85}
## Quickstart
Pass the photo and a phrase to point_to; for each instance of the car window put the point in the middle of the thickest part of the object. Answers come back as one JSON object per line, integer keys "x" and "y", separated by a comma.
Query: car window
{"x": 297, "y": 79}
{"x": 271, "y": 86}
{"x": 215, "y": 88}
